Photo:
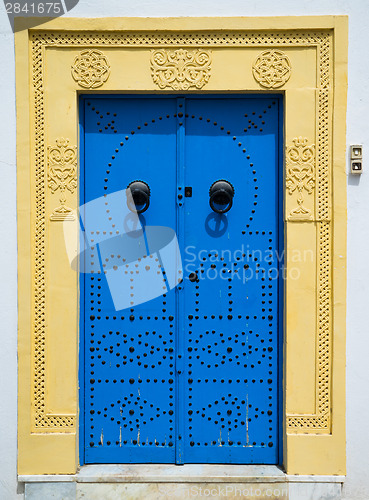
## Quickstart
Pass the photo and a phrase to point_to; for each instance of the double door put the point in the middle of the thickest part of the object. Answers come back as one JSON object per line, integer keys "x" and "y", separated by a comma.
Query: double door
{"x": 188, "y": 371}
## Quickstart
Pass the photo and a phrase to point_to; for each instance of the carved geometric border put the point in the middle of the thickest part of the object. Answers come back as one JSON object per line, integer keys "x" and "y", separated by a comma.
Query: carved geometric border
{"x": 322, "y": 40}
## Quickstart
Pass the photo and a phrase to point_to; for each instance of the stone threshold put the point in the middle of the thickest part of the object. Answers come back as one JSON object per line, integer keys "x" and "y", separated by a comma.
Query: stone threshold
{"x": 189, "y": 473}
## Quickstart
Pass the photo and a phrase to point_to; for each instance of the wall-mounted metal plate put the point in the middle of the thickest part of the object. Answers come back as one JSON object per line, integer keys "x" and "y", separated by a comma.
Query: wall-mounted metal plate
{"x": 356, "y": 159}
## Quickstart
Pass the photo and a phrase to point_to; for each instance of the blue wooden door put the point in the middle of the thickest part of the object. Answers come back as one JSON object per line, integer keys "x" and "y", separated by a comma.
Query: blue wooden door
{"x": 191, "y": 375}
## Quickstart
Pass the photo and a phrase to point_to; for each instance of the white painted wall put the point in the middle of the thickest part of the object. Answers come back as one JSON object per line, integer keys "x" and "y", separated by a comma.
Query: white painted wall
{"x": 356, "y": 487}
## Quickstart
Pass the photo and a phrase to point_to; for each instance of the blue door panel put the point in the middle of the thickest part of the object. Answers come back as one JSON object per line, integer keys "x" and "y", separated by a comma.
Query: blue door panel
{"x": 231, "y": 396}
{"x": 129, "y": 400}
{"x": 191, "y": 376}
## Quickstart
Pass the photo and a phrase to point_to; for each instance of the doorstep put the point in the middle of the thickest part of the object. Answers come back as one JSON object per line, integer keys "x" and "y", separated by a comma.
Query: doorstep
{"x": 161, "y": 482}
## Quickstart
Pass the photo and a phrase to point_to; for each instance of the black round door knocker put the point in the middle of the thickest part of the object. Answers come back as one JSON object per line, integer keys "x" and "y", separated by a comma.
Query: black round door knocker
{"x": 140, "y": 192}
{"x": 221, "y": 196}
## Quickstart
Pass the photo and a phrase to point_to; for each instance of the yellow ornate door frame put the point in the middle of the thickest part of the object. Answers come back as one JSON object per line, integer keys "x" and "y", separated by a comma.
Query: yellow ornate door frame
{"x": 303, "y": 57}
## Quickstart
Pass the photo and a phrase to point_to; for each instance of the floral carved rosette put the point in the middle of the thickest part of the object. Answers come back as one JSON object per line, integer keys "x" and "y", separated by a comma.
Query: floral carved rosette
{"x": 181, "y": 69}
{"x": 300, "y": 174}
{"x": 272, "y": 69}
{"x": 91, "y": 69}
{"x": 62, "y": 175}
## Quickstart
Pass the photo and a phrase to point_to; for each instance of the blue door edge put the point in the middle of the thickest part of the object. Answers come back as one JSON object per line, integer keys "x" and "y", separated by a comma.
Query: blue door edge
{"x": 81, "y": 296}
{"x": 281, "y": 301}
{"x": 281, "y": 240}
{"x": 180, "y": 407}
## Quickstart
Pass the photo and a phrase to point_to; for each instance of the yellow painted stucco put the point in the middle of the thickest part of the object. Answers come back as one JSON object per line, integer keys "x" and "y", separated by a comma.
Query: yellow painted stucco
{"x": 315, "y": 303}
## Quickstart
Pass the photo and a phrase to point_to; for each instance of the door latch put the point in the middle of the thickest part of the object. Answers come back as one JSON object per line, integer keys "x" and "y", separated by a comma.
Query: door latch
{"x": 188, "y": 191}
